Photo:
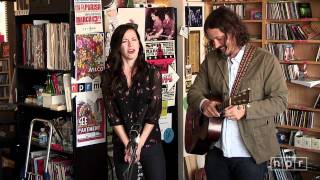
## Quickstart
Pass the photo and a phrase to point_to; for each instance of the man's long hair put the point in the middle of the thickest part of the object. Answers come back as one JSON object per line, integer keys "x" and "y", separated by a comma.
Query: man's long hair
{"x": 227, "y": 22}
{"x": 114, "y": 59}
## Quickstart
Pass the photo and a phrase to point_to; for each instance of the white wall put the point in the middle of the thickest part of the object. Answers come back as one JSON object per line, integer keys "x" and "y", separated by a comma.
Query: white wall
{"x": 180, "y": 85}
{"x": 179, "y": 4}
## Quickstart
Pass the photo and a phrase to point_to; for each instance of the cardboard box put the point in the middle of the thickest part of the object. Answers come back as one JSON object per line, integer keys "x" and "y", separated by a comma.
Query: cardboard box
{"x": 306, "y": 142}
{"x": 49, "y": 100}
{"x": 298, "y": 141}
{"x": 315, "y": 143}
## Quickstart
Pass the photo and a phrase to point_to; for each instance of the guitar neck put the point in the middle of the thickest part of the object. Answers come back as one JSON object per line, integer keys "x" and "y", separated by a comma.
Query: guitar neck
{"x": 223, "y": 105}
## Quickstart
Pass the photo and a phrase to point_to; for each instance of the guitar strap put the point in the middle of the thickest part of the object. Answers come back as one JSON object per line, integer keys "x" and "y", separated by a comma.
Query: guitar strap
{"x": 243, "y": 67}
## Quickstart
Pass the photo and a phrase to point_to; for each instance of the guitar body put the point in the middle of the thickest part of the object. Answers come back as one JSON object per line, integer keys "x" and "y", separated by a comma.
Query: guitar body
{"x": 201, "y": 131}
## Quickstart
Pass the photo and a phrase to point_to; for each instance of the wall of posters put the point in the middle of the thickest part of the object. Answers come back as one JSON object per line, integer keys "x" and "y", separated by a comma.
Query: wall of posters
{"x": 89, "y": 62}
{"x": 157, "y": 29}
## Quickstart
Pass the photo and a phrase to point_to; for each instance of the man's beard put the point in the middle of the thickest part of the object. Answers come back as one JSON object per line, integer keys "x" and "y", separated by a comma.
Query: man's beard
{"x": 222, "y": 52}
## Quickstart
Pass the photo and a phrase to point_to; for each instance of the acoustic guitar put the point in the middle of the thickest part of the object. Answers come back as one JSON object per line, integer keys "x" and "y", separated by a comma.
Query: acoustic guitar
{"x": 201, "y": 131}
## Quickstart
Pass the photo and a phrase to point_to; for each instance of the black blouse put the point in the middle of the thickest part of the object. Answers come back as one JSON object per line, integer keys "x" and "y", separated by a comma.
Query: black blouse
{"x": 124, "y": 106}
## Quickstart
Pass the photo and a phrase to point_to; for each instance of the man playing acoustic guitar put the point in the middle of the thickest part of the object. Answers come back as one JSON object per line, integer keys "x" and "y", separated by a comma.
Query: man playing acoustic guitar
{"x": 248, "y": 135}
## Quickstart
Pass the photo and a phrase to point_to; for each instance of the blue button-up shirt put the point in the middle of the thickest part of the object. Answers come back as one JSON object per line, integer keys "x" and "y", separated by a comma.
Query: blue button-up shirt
{"x": 231, "y": 141}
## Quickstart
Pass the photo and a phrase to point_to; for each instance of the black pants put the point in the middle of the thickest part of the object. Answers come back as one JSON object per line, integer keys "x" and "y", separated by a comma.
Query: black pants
{"x": 152, "y": 160}
{"x": 219, "y": 167}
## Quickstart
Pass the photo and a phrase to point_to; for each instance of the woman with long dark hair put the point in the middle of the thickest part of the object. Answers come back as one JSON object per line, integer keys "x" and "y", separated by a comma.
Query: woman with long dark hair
{"x": 132, "y": 92}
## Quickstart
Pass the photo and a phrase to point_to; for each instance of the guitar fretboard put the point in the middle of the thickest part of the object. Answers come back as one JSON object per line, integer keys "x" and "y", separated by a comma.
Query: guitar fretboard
{"x": 223, "y": 105}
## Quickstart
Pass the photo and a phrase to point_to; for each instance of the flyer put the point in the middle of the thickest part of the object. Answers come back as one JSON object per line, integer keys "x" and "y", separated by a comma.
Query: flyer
{"x": 88, "y": 16}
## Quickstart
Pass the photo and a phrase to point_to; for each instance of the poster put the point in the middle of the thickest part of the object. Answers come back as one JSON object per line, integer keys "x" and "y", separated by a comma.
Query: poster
{"x": 160, "y": 53}
{"x": 110, "y": 24}
{"x": 90, "y": 124}
{"x": 89, "y": 56}
{"x": 160, "y": 24}
{"x": 165, "y": 123}
{"x": 170, "y": 79}
{"x": 88, "y": 16}
{"x": 194, "y": 15}
{"x": 169, "y": 95}
{"x": 90, "y": 112}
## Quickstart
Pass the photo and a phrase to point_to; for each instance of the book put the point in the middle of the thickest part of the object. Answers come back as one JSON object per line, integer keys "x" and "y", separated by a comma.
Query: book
{"x": 317, "y": 102}
{"x": 67, "y": 90}
{"x": 308, "y": 82}
{"x": 309, "y": 31}
{"x": 5, "y": 50}
{"x": 318, "y": 55}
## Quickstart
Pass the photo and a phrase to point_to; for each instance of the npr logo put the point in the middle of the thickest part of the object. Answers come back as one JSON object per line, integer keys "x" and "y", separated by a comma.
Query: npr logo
{"x": 289, "y": 163}
{"x": 85, "y": 87}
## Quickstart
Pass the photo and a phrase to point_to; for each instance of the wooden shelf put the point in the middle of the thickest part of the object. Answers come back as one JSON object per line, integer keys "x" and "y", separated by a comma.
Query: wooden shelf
{"x": 4, "y": 72}
{"x": 251, "y": 21}
{"x": 28, "y": 68}
{"x": 4, "y": 59}
{"x": 50, "y": 7}
{"x": 292, "y": 20}
{"x": 4, "y": 98}
{"x": 4, "y": 85}
{"x": 35, "y": 143}
{"x": 255, "y": 40}
{"x": 34, "y": 106}
{"x": 303, "y": 108}
{"x": 299, "y": 148}
{"x": 314, "y": 130}
{"x": 308, "y": 41}
{"x": 237, "y": 2}
{"x": 294, "y": 84}
{"x": 300, "y": 62}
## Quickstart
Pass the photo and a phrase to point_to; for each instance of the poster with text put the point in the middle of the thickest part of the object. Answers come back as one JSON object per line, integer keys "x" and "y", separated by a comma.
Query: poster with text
{"x": 89, "y": 58}
{"x": 90, "y": 126}
{"x": 88, "y": 16}
{"x": 169, "y": 95}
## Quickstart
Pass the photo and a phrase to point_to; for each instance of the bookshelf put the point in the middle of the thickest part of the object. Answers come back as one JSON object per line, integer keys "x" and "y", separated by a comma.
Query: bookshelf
{"x": 245, "y": 10}
{"x": 278, "y": 17}
{"x": 299, "y": 148}
{"x": 5, "y": 73}
{"x": 32, "y": 69}
{"x": 301, "y": 99}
